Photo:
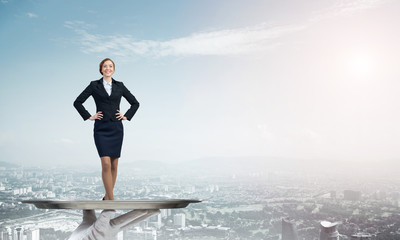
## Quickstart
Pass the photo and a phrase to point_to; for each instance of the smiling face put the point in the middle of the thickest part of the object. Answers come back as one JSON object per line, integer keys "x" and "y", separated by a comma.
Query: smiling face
{"x": 107, "y": 69}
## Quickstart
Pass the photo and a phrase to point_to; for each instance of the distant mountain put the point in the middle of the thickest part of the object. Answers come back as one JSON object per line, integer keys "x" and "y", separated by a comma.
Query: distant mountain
{"x": 250, "y": 163}
{"x": 8, "y": 165}
{"x": 217, "y": 164}
{"x": 256, "y": 164}
{"x": 146, "y": 164}
{"x": 266, "y": 164}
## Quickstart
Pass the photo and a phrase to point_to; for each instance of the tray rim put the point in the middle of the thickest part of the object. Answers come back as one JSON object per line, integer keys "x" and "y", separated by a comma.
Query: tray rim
{"x": 111, "y": 204}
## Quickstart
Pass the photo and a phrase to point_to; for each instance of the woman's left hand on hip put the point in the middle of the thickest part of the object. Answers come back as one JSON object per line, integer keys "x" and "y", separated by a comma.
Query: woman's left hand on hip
{"x": 120, "y": 116}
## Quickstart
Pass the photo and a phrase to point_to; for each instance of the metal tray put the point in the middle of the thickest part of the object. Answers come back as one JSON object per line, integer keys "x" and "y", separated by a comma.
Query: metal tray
{"x": 113, "y": 204}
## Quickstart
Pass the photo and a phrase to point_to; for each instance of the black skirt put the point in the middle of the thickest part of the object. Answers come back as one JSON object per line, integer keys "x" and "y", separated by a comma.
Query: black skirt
{"x": 108, "y": 138}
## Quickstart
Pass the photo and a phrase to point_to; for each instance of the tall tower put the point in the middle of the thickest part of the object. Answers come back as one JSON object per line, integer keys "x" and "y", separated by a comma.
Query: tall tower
{"x": 179, "y": 220}
{"x": 329, "y": 231}
{"x": 120, "y": 235}
{"x": 7, "y": 235}
{"x": 352, "y": 195}
{"x": 33, "y": 234}
{"x": 18, "y": 233}
{"x": 289, "y": 231}
{"x": 3, "y": 234}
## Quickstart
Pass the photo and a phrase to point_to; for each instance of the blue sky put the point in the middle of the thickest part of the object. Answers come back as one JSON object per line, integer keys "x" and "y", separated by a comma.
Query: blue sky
{"x": 292, "y": 79}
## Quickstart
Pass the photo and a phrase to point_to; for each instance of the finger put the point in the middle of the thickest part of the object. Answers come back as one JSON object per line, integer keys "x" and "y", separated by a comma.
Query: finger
{"x": 149, "y": 213}
{"x": 127, "y": 217}
{"x": 107, "y": 214}
{"x": 89, "y": 216}
{"x": 103, "y": 221}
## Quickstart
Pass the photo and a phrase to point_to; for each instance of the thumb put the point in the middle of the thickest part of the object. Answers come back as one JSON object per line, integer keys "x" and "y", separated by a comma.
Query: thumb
{"x": 103, "y": 221}
{"x": 107, "y": 214}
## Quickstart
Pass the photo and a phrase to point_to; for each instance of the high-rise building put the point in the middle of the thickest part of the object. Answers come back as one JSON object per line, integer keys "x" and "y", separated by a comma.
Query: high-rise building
{"x": 18, "y": 233}
{"x": 164, "y": 213}
{"x": 5, "y": 234}
{"x": 120, "y": 235}
{"x": 352, "y": 195}
{"x": 333, "y": 194}
{"x": 33, "y": 234}
{"x": 329, "y": 231}
{"x": 179, "y": 220}
{"x": 155, "y": 221}
{"x": 289, "y": 231}
{"x": 380, "y": 195}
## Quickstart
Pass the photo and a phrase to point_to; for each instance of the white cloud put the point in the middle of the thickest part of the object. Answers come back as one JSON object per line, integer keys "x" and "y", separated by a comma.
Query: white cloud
{"x": 32, "y": 15}
{"x": 246, "y": 40}
{"x": 220, "y": 42}
{"x": 78, "y": 25}
{"x": 227, "y": 42}
{"x": 346, "y": 7}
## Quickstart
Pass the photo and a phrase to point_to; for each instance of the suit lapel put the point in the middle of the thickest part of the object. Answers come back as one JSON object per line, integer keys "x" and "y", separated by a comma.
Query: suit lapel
{"x": 101, "y": 88}
{"x": 114, "y": 87}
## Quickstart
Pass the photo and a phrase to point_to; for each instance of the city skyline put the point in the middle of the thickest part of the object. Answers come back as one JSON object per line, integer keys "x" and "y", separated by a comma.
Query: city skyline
{"x": 234, "y": 206}
{"x": 297, "y": 80}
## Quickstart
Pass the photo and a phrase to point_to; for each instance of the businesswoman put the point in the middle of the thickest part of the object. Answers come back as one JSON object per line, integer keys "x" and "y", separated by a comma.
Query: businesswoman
{"x": 108, "y": 129}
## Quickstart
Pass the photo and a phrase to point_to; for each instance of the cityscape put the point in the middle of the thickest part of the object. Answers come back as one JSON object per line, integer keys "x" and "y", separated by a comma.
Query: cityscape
{"x": 278, "y": 117}
{"x": 257, "y": 199}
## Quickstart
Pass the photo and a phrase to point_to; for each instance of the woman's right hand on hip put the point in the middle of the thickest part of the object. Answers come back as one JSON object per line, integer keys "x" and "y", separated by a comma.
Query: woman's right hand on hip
{"x": 98, "y": 116}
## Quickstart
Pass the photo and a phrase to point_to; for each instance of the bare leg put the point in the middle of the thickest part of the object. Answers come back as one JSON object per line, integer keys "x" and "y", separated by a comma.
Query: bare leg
{"x": 107, "y": 177}
{"x": 114, "y": 170}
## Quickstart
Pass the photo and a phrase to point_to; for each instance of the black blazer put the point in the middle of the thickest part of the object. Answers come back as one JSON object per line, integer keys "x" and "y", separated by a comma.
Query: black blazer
{"x": 108, "y": 105}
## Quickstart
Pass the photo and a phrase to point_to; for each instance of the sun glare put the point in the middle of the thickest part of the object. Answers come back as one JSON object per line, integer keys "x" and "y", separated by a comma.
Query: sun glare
{"x": 361, "y": 65}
